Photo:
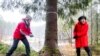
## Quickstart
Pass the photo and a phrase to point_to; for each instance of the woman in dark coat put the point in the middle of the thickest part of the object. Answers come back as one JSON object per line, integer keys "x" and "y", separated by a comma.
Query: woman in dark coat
{"x": 81, "y": 36}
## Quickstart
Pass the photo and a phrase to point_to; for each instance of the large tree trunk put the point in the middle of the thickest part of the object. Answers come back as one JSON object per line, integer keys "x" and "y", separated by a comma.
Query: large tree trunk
{"x": 51, "y": 48}
{"x": 51, "y": 24}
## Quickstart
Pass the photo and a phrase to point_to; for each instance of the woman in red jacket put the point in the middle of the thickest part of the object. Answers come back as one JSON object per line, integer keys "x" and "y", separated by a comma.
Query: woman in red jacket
{"x": 22, "y": 30}
{"x": 81, "y": 36}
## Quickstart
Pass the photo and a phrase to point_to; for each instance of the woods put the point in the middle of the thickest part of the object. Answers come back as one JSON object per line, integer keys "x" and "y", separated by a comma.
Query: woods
{"x": 60, "y": 17}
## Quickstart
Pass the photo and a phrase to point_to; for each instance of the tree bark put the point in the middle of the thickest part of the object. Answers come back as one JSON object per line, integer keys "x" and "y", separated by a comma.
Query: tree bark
{"x": 51, "y": 47}
{"x": 51, "y": 24}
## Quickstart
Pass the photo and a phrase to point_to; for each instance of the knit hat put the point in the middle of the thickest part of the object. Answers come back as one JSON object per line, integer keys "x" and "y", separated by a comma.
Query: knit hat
{"x": 28, "y": 17}
{"x": 81, "y": 17}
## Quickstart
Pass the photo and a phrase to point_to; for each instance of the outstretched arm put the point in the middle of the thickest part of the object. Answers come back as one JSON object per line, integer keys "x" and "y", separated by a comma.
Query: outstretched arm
{"x": 25, "y": 31}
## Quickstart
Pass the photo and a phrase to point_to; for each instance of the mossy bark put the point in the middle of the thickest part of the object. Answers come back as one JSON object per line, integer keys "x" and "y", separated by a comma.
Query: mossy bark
{"x": 46, "y": 51}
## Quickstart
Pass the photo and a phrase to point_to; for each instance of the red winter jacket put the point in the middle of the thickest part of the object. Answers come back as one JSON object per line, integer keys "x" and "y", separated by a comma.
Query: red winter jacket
{"x": 17, "y": 34}
{"x": 81, "y": 32}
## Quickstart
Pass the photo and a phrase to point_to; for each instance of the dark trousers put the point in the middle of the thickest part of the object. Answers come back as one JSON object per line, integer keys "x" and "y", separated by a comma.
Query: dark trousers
{"x": 15, "y": 44}
{"x": 87, "y": 49}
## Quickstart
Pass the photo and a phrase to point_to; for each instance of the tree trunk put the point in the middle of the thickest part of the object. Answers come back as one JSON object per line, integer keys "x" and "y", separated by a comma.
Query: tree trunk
{"x": 97, "y": 39}
{"x": 51, "y": 48}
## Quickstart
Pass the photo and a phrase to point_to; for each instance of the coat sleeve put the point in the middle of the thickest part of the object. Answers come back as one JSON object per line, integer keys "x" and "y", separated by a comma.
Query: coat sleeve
{"x": 29, "y": 30}
{"x": 83, "y": 32}
{"x": 75, "y": 31}
{"x": 24, "y": 29}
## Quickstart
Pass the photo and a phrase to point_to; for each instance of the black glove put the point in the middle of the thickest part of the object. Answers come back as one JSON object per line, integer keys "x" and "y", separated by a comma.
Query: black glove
{"x": 31, "y": 35}
{"x": 75, "y": 37}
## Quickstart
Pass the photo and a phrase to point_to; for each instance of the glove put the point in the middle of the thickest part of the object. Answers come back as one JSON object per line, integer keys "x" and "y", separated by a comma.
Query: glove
{"x": 31, "y": 35}
{"x": 75, "y": 37}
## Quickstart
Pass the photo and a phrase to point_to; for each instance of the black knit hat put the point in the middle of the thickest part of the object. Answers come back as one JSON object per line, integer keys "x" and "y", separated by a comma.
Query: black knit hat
{"x": 81, "y": 17}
